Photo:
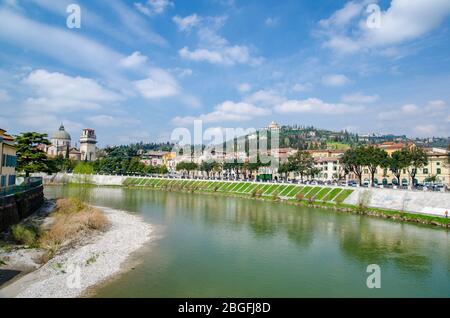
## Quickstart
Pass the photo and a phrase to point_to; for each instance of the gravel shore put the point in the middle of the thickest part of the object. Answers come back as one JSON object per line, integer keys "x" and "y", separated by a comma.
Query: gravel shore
{"x": 71, "y": 273}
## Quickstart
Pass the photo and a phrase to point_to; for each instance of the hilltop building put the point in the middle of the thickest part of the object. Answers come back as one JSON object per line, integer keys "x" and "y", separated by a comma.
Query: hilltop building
{"x": 8, "y": 160}
{"x": 273, "y": 126}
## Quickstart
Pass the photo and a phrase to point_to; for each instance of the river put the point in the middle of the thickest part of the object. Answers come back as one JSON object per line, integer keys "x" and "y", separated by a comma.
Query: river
{"x": 215, "y": 246}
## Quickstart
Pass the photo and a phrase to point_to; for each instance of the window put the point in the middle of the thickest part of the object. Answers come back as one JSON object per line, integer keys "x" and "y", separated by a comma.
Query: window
{"x": 9, "y": 161}
{"x": 12, "y": 180}
{"x": 438, "y": 171}
{"x": 3, "y": 181}
{"x": 425, "y": 170}
{"x": 438, "y": 163}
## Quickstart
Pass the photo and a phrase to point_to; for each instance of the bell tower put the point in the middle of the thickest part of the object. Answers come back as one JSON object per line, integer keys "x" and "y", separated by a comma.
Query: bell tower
{"x": 88, "y": 140}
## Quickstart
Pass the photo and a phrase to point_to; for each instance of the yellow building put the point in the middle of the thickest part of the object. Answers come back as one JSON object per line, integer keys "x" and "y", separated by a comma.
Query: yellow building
{"x": 8, "y": 160}
{"x": 438, "y": 167}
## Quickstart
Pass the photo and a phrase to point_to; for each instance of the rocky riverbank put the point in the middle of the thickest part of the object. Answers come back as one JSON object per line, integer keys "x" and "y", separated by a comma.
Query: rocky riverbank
{"x": 92, "y": 260}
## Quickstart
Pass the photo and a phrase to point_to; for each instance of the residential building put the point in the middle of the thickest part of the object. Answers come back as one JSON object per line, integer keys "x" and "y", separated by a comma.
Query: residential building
{"x": 330, "y": 168}
{"x": 160, "y": 158}
{"x": 8, "y": 160}
{"x": 438, "y": 167}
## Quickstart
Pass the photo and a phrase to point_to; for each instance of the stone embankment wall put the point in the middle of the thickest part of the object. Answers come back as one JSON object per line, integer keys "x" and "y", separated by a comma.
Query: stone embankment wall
{"x": 16, "y": 207}
{"x": 392, "y": 199}
{"x": 425, "y": 202}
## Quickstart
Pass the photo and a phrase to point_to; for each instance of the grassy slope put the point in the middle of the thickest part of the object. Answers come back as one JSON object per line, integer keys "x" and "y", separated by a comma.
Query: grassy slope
{"x": 323, "y": 197}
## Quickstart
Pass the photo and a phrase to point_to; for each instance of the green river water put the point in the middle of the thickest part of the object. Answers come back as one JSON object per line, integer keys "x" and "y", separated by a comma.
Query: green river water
{"x": 215, "y": 246}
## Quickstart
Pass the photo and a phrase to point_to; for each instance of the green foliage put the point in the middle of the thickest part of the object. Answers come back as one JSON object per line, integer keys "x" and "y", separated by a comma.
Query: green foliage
{"x": 60, "y": 164}
{"x": 187, "y": 166}
{"x": 24, "y": 235}
{"x": 431, "y": 179}
{"x": 302, "y": 162}
{"x": 356, "y": 159}
{"x": 84, "y": 168}
{"x": 416, "y": 158}
{"x": 397, "y": 162}
{"x": 374, "y": 157}
{"x": 30, "y": 158}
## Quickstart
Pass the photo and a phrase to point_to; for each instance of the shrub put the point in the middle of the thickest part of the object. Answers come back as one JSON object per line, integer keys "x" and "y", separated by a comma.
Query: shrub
{"x": 72, "y": 219}
{"x": 364, "y": 201}
{"x": 275, "y": 195}
{"x": 24, "y": 235}
{"x": 300, "y": 196}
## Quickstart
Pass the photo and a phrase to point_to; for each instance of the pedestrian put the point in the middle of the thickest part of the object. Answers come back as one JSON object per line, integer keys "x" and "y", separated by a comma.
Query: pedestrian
{"x": 446, "y": 214}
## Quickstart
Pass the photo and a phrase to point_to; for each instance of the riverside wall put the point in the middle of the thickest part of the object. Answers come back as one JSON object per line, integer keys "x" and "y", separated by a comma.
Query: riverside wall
{"x": 16, "y": 207}
{"x": 424, "y": 202}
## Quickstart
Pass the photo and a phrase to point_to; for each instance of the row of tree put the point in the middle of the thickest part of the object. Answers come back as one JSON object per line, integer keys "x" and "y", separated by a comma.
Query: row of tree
{"x": 372, "y": 158}
{"x": 125, "y": 160}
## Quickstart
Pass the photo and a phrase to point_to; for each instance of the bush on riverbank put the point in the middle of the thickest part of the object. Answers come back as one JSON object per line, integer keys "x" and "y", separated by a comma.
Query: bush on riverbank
{"x": 72, "y": 219}
{"x": 25, "y": 235}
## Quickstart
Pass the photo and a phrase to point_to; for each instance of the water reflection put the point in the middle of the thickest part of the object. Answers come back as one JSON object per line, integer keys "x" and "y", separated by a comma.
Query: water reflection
{"x": 305, "y": 237}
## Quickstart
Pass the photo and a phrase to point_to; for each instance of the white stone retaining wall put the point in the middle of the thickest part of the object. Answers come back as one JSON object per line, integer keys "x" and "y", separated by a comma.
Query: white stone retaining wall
{"x": 433, "y": 203}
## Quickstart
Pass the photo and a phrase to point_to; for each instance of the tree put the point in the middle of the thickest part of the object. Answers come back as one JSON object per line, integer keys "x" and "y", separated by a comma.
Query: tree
{"x": 187, "y": 167}
{"x": 302, "y": 162}
{"x": 60, "y": 164}
{"x": 397, "y": 163}
{"x": 84, "y": 168}
{"x": 218, "y": 168}
{"x": 284, "y": 170}
{"x": 207, "y": 167}
{"x": 313, "y": 172}
{"x": 354, "y": 160}
{"x": 29, "y": 157}
{"x": 416, "y": 158}
{"x": 374, "y": 157}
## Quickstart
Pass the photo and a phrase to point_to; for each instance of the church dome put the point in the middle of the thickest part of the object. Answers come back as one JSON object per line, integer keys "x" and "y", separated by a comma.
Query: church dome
{"x": 61, "y": 134}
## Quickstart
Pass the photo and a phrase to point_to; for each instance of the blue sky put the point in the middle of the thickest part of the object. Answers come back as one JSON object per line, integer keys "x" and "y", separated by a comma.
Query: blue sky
{"x": 138, "y": 69}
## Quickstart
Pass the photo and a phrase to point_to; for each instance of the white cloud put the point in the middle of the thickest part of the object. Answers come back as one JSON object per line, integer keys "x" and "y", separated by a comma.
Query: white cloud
{"x": 435, "y": 109}
{"x": 406, "y": 20}
{"x": 436, "y": 105}
{"x": 315, "y": 106}
{"x": 62, "y": 93}
{"x": 426, "y": 130}
{"x": 135, "y": 60}
{"x": 191, "y": 101}
{"x": 410, "y": 109}
{"x": 244, "y": 88}
{"x": 227, "y": 55}
{"x": 49, "y": 123}
{"x": 4, "y": 96}
{"x": 335, "y": 80}
{"x": 213, "y": 48}
{"x": 158, "y": 84}
{"x": 112, "y": 121}
{"x": 302, "y": 87}
{"x": 359, "y": 98}
{"x": 342, "y": 17}
{"x": 153, "y": 7}
{"x": 226, "y": 111}
{"x": 187, "y": 23}
{"x": 271, "y": 22}
{"x": 268, "y": 98}
{"x": 346, "y": 31}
